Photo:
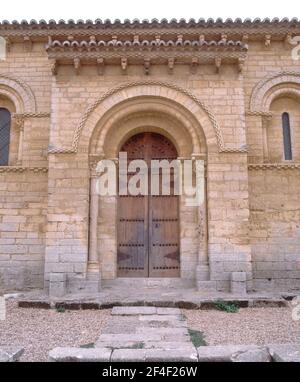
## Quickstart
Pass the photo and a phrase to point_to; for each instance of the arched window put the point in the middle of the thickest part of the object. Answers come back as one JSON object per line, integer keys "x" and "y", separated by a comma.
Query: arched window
{"x": 5, "y": 120}
{"x": 287, "y": 143}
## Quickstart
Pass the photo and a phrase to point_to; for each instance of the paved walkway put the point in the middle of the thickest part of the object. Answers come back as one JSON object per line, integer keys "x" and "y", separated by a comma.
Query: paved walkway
{"x": 154, "y": 334}
{"x": 147, "y": 334}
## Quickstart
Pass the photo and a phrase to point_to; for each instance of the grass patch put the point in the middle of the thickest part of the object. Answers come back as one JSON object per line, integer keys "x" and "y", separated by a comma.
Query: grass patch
{"x": 60, "y": 309}
{"x": 197, "y": 338}
{"x": 88, "y": 346}
{"x": 226, "y": 306}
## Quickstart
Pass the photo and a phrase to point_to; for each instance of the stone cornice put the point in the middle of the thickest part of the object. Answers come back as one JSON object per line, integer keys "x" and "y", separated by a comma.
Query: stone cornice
{"x": 274, "y": 166}
{"x": 154, "y": 23}
{"x": 137, "y": 50}
{"x": 252, "y": 29}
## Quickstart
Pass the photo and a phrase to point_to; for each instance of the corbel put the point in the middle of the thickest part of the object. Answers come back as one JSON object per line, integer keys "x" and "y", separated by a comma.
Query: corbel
{"x": 245, "y": 39}
{"x": 77, "y": 65}
{"x": 54, "y": 67}
{"x": 27, "y": 44}
{"x": 241, "y": 62}
{"x": 194, "y": 65}
{"x": 218, "y": 62}
{"x": 157, "y": 39}
{"x": 224, "y": 38}
{"x": 114, "y": 39}
{"x": 100, "y": 66}
{"x": 8, "y": 44}
{"x": 124, "y": 64}
{"x": 147, "y": 66}
{"x": 171, "y": 63}
{"x": 267, "y": 40}
{"x": 136, "y": 39}
{"x": 179, "y": 39}
{"x": 202, "y": 39}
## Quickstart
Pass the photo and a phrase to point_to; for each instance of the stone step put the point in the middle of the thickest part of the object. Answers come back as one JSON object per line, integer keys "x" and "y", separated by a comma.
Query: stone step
{"x": 154, "y": 355}
{"x": 149, "y": 282}
{"x": 145, "y": 310}
{"x": 207, "y": 286}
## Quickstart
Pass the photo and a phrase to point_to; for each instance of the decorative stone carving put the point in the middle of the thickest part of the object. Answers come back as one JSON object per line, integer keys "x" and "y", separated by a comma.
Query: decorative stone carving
{"x": 194, "y": 65}
{"x": 171, "y": 63}
{"x": 218, "y": 62}
{"x": 27, "y": 44}
{"x": 124, "y": 64}
{"x": 147, "y": 66}
{"x": 77, "y": 65}
{"x": 100, "y": 66}
{"x": 54, "y": 67}
{"x": 268, "y": 40}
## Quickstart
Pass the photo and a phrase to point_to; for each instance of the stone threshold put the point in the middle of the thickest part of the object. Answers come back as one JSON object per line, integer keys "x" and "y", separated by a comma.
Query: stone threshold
{"x": 218, "y": 353}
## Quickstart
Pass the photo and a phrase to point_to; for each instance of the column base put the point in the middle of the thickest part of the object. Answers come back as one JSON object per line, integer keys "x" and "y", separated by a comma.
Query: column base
{"x": 93, "y": 266}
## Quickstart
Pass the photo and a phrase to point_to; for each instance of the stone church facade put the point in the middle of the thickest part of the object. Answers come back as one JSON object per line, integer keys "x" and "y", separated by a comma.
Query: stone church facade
{"x": 224, "y": 92}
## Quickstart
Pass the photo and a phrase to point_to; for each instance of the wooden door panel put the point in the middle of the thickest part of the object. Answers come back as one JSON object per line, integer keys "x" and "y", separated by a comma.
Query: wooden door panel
{"x": 148, "y": 226}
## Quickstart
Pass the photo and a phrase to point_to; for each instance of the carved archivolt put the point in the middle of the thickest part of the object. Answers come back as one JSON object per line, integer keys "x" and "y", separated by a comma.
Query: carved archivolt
{"x": 272, "y": 87}
{"x": 149, "y": 88}
{"x": 19, "y": 93}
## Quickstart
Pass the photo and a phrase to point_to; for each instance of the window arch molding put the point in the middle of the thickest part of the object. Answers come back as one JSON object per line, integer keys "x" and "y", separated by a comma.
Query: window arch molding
{"x": 276, "y": 85}
{"x": 19, "y": 93}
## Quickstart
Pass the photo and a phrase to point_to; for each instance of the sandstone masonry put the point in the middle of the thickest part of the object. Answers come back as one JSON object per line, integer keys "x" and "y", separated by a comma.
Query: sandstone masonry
{"x": 77, "y": 91}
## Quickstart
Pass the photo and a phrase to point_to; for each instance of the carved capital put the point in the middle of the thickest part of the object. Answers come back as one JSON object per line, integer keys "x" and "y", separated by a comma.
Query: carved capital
{"x": 18, "y": 119}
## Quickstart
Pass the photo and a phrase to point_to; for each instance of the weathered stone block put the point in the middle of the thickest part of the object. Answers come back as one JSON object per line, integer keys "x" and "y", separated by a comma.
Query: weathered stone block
{"x": 57, "y": 284}
{"x": 10, "y": 353}
{"x": 238, "y": 283}
{"x": 285, "y": 352}
{"x": 80, "y": 355}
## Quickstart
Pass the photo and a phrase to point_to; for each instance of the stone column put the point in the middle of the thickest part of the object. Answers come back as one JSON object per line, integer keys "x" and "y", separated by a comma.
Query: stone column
{"x": 93, "y": 244}
{"x": 20, "y": 124}
{"x": 202, "y": 270}
{"x": 265, "y": 124}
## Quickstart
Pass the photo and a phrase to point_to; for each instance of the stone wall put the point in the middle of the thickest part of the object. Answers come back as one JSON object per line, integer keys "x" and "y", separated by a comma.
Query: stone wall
{"x": 252, "y": 216}
{"x": 275, "y": 228}
{"x": 23, "y": 210}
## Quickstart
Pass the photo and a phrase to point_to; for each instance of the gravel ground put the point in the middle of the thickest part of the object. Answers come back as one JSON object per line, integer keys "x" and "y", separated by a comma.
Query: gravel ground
{"x": 248, "y": 326}
{"x": 40, "y": 330}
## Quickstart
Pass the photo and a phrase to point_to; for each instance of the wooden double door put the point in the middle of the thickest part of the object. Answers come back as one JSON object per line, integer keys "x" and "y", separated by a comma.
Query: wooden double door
{"x": 148, "y": 225}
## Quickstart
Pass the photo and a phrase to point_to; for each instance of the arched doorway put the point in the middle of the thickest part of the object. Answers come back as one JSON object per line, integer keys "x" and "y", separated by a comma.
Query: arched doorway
{"x": 148, "y": 225}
